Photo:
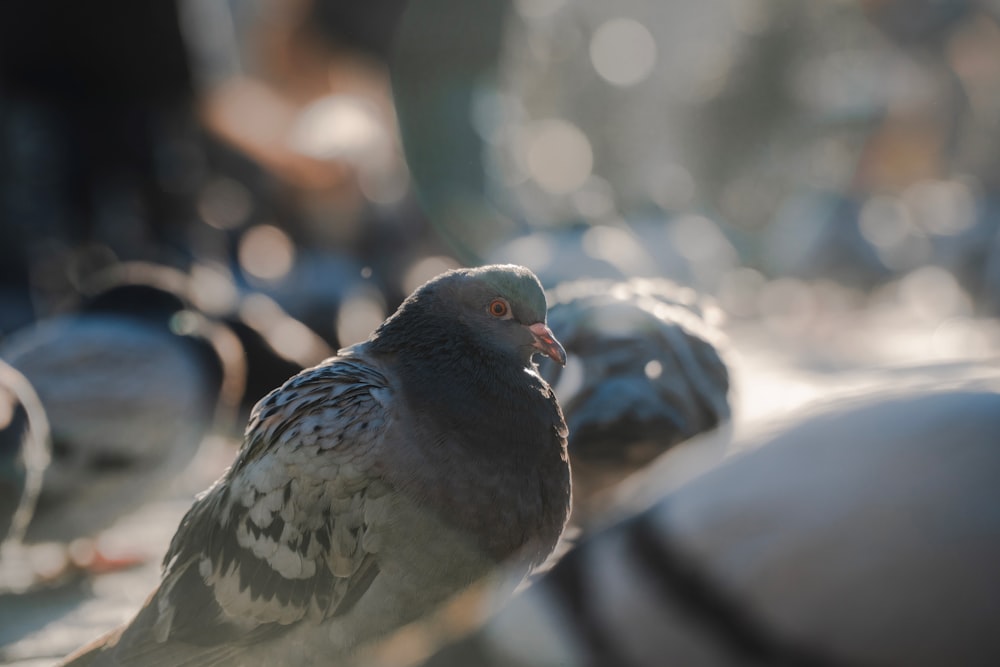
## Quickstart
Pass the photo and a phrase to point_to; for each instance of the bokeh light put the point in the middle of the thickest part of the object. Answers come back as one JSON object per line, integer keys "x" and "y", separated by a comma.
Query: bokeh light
{"x": 212, "y": 289}
{"x": 535, "y": 252}
{"x": 384, "y": 185}
{"x": 933, "y": 294}
{"x": 884, "y": 222}
{"x": 699, "y": 239}
{"x": 671, "y": 186}
{"x": 339, "y": 127}
{"x": 426, "y": 268}
{"x": 557, "y": 155}
{"x": 362, "y": 310}
{"x": 595, "y": 200}
{"x": 225, "y": 203}
{"x": 941, "y": 207}
{"x": 623, "y": 51}
{"x": 266, "y": 252}
{"x": 619, "y": 248}
{"x": 290, "y": 338}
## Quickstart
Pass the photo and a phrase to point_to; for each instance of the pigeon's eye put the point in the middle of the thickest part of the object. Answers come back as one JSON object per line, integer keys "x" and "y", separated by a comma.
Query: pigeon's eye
{"x": 499, "y": 308}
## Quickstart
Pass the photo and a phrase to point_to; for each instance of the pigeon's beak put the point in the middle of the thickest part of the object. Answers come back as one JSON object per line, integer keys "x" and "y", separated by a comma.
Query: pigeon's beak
{"x": 547, "y": 344}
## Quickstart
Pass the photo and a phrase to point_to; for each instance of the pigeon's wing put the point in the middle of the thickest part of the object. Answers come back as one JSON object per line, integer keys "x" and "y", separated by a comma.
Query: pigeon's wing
{"x": 282, "y": 538}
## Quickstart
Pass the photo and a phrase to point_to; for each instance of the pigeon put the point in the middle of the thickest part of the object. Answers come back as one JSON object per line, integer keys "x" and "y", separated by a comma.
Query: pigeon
{"x": 370, "y": 488}
{"x": 646, "y": 371}
{"x": 867, "y": 534}
{"x": 24, "y": 451}
{"x": 131, "y": 381}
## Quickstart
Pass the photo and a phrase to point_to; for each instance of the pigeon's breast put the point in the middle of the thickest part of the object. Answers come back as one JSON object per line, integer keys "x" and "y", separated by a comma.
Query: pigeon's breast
{"x": 495, "y": 471}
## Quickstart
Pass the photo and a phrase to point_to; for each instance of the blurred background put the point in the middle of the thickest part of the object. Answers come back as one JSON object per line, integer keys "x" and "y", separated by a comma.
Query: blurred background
{"x": 794, "y": 162}
{"x": 824, "y": 174}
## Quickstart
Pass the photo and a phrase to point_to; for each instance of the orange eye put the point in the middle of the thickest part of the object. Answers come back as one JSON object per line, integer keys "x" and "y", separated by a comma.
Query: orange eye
{"x": 498, "y": 308}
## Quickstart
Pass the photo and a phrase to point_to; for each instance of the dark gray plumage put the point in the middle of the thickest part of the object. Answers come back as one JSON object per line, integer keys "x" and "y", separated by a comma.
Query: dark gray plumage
{"x": 866, "y": 535}
{"x": 370, "y": 488}
{"x": 644, "y": 373}
{"x": 24, "y": 451}
{"x": 131, "y": 381}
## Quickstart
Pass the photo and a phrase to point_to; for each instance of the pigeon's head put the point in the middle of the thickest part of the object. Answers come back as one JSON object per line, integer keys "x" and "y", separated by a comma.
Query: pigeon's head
{"x": 501, "y": 306}
{"x": 506, "y": 303}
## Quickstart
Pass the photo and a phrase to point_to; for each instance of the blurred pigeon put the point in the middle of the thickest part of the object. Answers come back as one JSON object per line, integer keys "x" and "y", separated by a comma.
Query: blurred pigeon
{"x": 866, "y": 535}
{"x": 131, "y": 382}
{"x": 275, "y": 344}
{"x": 24, "y": 451}
{"x": 370, "y": 488}
{"x": 644, "y": 373}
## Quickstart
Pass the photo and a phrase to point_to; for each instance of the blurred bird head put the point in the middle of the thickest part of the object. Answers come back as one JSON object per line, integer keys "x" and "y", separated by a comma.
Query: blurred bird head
{"x": 645, "y": 374}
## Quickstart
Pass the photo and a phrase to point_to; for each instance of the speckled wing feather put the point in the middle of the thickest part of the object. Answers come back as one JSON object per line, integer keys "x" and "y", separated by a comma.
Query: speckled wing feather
{"x": 282, "y": 538}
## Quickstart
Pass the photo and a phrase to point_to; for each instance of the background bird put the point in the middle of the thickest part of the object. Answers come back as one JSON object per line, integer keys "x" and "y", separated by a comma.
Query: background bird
{"x": 24, "y": 451}
{"x": 867, "y": 534}
{"x": 275, "y": 344}
{"x": 370, "y": 488}
{"x": 644, "y": 372}
{"x": 131, "y": 379}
